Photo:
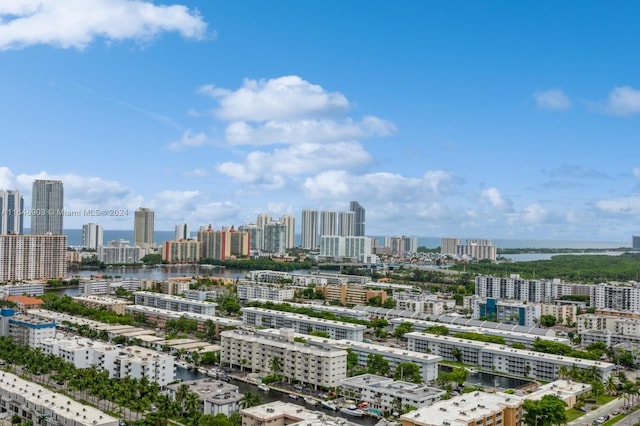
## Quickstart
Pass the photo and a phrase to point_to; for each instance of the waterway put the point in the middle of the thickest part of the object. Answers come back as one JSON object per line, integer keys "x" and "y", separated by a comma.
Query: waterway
{"x": 185, "y": 374}
{"x": 491, "y": 380}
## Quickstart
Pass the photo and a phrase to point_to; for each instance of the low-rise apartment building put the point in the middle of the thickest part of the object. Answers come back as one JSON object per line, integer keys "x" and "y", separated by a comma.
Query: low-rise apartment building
{"x": 25, "y": 329}
{"x": 216, "y": 397}
{"x": 506, "y": 311}
{"x": 500, "y": 358}
{"x": 564, "y": 314}
{"x": 478, "y": 408}
{"x": 350, "y": 295}
{"x": 567, "y": 390}
{"x": 281, "y": 354}
{"x": 39, "y": 405}
{"x": 385, "y": 394}
{"x": 427, "y": 363}
{"x": 174, "y": 303}
{"x": 255, "y": 292}
{"x": 108, "y": 303}
{"x": 510, "y": 337}
{"x": 159, "y": 318}
{"x": 302, "y": 323}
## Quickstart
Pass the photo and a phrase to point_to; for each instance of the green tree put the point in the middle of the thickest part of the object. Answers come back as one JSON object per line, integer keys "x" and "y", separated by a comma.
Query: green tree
{"x": 440, "y": 330}
{"x": 352, "y": 360}
{"x": 376, "y": 364}
{"x": 547, "y": 411}
{"x": 250, "y": 399}
{"x": 408, "y": 371}
{"x": 548, "y": 320}
{"x": 275, "y": 364}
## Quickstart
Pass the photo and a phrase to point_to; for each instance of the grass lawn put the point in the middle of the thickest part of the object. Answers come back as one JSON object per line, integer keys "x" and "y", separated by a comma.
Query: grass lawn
{"x": 573, "y": 414}
{"x": 603, "y": 399}
{"x": 614, "y": 420}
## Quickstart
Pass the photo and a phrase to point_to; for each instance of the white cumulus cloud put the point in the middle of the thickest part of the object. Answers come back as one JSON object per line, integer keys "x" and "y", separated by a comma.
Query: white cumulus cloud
{"x": 621, "y": 205}
{"x": 553, "y": 99}
{"x": 77, "y": 23}
{"x": 279, "y": 98}
{"x": 189, "y": 140}
{"x": 305, "y": 131}
{"x": 494, "y": 197}
{"x": 623, "y": 101}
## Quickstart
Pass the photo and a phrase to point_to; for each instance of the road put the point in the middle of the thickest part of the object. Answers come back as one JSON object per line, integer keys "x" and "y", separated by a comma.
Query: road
{"x": 589, "y": 417}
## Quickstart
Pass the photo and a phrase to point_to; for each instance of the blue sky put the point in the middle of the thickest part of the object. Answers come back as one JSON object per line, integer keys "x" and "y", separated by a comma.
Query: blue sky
{"x": 471, "y": 119}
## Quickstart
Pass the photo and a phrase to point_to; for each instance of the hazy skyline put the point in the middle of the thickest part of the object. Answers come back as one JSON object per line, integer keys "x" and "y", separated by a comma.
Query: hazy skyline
{"x": 495, "y": 120}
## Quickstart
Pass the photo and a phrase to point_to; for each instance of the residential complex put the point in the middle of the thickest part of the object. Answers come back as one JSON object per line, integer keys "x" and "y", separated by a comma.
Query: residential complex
{"x": 253, "y": 292}
{"x": 181, "y": 251}
{"x": 477, "y": 408}
{"x": 400, "y": 245}
{"x": 385, "y": 394}
{"x": 144, "y": 228}
{"x": 12, "y": 212}
{"x": 359, "y": 218}
{"x": 47, "y": 207}
{"x": 427, "y": 363}
{"x": 39, "y": 405}
{"x": 119, "y": 362}
{"x": 338, "y": 246}
{"x": 310, "y": 228}
{"x": 182, "y": 232}
{"x": 107, "y": 303}
{"x": 216, "y": 397}
{"x": 505, "y": 311}
{"x": 256, "y": 351}
{"x": 25, "y": 329}
{"x": 32, "y": 257}
{"x": 120, "y": 252}
{"x": 302, "y": 323}
{"x": 224, "y": 244}
{"x": 174, "y": 303}
{"x": 501, "y": 358}
{"x": 159, "y": 317}
{"x": 92, "y": 235}
{"x": 350, "y": 295}
{"x": 510, "y": 337}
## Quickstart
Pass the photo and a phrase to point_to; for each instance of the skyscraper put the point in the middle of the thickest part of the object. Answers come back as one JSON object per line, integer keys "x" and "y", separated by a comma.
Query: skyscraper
{"x": 275, "y": 238}
{"x": 46, "y": 205}
{"x": 92, "y": 235}
{"x": 143, "y": 228}
{"x": 263, "y": 219}
{"x": 182, "y": 232}
{"x": 359, "y": 218}
{"x": 290, "y": 222}
{"x": 309, "y": 229}
{"x": 328, "y": 223}
{"x": 11, "y": 206}
{"x": 346, "y": 224}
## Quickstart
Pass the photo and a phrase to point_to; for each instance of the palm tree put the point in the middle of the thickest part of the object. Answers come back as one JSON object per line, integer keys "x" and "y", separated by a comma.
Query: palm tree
{"x": 250, "y": 399}
{"x": 563, "y": 372}
{"x": 192, "y": 405}
{"x": 611, "y": 386}
{"x": 181, "y": 394}
{"x": 275, "y": 365}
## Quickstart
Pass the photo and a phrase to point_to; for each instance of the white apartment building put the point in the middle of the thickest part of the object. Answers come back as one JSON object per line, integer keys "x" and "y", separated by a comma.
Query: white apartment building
{"x": 423, "y": 303}
{"x": 120, "y": 252}
{"x": 448, "y": 245}
{"x": 478, "y": 249}
{"x": 618, "y": 297}
{"x": 478, "y": 408}
{"x": 274, "y": 294}
{"x": 103, "y": 287}
{"x": 316, "y": 366}
{"x": 385, "y": 394}
{"x": 302, "y": 323}
{"x": 159, "y": 317}
{"x": 427, "y": 363}
{"x": 174, "y": 303}
{"x": 499, "y": 358}
{"x": 216, "y": 397}
{"x": 32, "y": 257}
{"x": 400, "y": 245}
{"x": 132, "y": 361}
{"x": 340, "y": 246}
{"x": 25, "y": 329}
{"x": 339, "y": 311}
{"x": 24, "y": 289}
{"x": 588, "y": 322}
{"x": 37, "y": 404}
{"x": 515, "y": 288}
{"x": 510, "y": 337}
{"x": 92, "y": 234}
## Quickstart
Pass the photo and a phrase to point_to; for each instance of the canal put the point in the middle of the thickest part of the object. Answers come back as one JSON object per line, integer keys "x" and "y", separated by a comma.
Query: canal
{"x": 491, "y": 380}
{"x": 185, "y": 374}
